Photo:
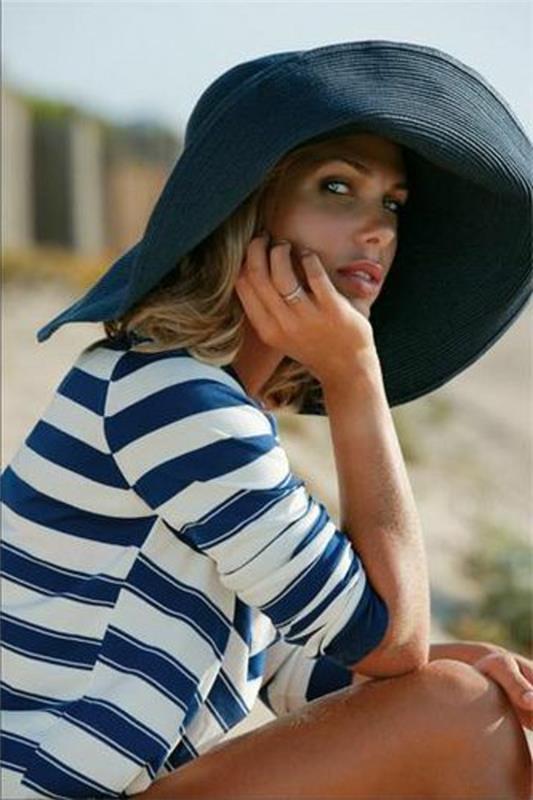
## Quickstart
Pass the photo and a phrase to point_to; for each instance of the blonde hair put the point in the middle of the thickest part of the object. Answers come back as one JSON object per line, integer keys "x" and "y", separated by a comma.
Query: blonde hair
{"x": 196, "y": 306}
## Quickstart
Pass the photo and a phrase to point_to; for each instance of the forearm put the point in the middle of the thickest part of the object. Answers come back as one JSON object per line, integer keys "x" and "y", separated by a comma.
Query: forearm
{"x": 379, "y": 515}
{"x": 467, "y": 652}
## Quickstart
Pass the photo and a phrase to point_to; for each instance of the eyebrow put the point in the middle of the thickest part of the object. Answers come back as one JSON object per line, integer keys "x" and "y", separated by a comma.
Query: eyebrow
{"x": 367, "y": 171}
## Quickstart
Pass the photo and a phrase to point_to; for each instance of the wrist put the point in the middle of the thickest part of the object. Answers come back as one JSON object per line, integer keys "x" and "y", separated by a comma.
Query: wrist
{"x": 361, "y": 372}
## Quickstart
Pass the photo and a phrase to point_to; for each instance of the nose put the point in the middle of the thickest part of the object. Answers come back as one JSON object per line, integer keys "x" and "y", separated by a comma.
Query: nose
{"x": 377, "y": 227}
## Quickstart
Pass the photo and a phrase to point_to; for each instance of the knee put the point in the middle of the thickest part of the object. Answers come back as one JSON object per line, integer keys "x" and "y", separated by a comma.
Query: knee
{"x": 479, "y": 725}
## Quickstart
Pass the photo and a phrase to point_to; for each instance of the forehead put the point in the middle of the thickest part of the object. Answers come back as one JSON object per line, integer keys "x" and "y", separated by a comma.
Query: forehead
{"x": 364, "y": 149}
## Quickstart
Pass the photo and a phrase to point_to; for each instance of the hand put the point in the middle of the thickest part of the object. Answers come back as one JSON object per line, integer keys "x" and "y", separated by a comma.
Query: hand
{"x": 514, "y": 673}
{"x": 322, "y": 330}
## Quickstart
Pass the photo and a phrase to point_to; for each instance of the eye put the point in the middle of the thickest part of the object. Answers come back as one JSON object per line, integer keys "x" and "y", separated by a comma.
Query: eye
{"x": 328, "y": 182}
{"x": 325, "y": 184}
{"x": 399, "y": 207}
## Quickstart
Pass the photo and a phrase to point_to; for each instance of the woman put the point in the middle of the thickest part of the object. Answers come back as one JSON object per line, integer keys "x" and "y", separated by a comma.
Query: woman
{"x": 164, "y": 566}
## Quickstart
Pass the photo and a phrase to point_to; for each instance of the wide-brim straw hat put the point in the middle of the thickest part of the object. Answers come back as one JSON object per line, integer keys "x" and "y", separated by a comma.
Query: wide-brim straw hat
{"x": 462, "y": 270}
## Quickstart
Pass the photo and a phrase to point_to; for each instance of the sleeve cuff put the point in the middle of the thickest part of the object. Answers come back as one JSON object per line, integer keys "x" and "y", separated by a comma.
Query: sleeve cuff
{"x": 363, "y": 632}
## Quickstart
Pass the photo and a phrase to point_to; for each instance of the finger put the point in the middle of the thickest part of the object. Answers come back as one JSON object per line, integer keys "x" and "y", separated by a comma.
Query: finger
{"x": 258, "y": 273}
{"x": 254, "y": 309}
{"x": 504, "y": 669}
{"x": 526, "y": 667}
{"x": 319, "y": 280}
{"x": 283, "y": 274}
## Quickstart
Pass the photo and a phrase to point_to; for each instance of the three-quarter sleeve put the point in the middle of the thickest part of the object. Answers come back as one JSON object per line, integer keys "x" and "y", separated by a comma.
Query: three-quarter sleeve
{"x": 291, "y": 679}
{"x": 209, "y": 461}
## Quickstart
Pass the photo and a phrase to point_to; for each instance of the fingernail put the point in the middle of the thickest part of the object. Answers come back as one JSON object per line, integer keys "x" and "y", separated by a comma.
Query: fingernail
{"x": 306, "y": 253}
{"x": 279, "y": 241}
{"x": 528, "y": 697}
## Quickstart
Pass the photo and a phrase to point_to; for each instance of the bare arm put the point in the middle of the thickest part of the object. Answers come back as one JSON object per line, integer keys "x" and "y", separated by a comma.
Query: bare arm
{"x": 378, "y": 513}
{"x": 336, "y": 343}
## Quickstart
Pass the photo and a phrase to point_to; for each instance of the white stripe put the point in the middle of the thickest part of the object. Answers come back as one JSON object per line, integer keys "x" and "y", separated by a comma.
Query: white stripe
{"x": 189, "y": 434}
{"x": 204, "y": 731}
{"x": 355, "y": 588}
{"x": 64, "y": 550}
{"x": 287, "y": 691}
{"x": 99, "y": 363}
{"x": 139, "y": 698}
{"x": 29, "y": 724}
{"x": 11, "y": 787}
{"x": 43, "y": 677}
{"x": 342, "y": 610}
{"x": 263, "y": 531}
{"x": 152, "y": 628}
{"x": 263, "y": 632}
{"x": 159, "y": 375}
{"x": 256, "y": 583}
{"x": 176, "y": 561}
{"x": 77, "y": 421}
{"x": 79, "y": 750}
{"x": 69, "y": 487}
{"x": 58, "y": 614}
{"x": 199, "y": 498}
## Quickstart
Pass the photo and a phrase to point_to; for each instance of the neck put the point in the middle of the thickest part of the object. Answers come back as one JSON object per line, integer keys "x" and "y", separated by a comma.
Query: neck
{"x": 255, "y": 362}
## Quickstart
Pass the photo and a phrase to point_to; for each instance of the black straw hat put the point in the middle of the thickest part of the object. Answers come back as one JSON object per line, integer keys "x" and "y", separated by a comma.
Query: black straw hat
{"x": 462, "y": 270}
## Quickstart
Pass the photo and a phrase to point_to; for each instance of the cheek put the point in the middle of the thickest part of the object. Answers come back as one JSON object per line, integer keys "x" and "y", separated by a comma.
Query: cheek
{"x": 309, "y": 226}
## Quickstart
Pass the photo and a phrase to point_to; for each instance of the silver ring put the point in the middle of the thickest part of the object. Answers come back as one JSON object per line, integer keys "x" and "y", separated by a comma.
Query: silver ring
{"x": 294, "y": 296}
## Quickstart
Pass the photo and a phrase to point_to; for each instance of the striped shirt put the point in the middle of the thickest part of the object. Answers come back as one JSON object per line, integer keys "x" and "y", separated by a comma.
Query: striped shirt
{"x": 162, "y": 568}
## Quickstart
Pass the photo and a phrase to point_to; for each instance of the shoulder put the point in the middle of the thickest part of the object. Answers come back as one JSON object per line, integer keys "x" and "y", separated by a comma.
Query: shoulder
{"x": 150, "y": 391}
{"x": 173, "y": 374}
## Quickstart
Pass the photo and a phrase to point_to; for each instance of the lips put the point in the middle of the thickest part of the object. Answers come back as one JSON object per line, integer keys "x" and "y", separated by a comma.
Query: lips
{"x": 370, "y": 268}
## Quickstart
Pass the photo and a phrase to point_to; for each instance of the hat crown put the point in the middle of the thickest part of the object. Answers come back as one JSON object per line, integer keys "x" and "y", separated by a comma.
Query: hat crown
{"x": 224, "y": 86}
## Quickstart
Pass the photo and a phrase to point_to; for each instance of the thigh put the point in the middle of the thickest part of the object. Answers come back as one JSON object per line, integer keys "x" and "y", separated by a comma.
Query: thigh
{"x": 394, "y": 737}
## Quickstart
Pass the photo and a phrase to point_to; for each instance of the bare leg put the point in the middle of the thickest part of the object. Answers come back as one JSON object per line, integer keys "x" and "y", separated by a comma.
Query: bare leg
{"x": 443, "y": 732}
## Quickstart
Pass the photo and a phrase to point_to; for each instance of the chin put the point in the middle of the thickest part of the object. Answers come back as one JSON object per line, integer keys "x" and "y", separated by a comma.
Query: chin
{"x": 361, "y": 305}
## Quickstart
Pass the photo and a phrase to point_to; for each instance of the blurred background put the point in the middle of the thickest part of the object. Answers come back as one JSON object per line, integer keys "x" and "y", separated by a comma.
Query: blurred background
{"x": 95, "y": 98}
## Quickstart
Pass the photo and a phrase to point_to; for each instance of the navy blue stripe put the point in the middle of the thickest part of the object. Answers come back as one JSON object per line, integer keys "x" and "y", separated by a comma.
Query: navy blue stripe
{"x": 116, "y": 731}
{"x": 300, "y": 592}
{"x": 220, "y": 508}
{"x": 84, "y": 389}
{"x": 133, "y": 361}
{"x": 182, "y": 602}
{"x": 224, "y": 705}
{"x": 50, "y": 776}
{"x": 203, "y": 464}
{"x": 58, "y": 648}
{"x": 168, "y": 405}
{"x": 245, "y": 509}
{"x": 256, "y": 665}
{"x": 72, "y": 454}
{"x": 184, "y": 752}
{"x": 49, "y": 579}
{"x": 167, "y": 577}
{"x": 307, "y": 621}
{"x": 363, "y": 632}
{"x": 286, "y": 531}
{"x": 320, "y": 522}
{"x": 19, "y": 700}
{"x": 26, "y": 501}
{"x": 243, "y": 620}
{"x": 128, "y": 670}
{"x": 17, "y": 751}
{"x": 263, "y": 696}
{"x": 327, "y": 676}
{"x": 154, "y": 665}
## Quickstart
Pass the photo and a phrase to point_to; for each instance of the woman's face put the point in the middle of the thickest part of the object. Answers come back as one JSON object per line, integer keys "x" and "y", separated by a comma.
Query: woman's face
{"x": 345, "y": 212}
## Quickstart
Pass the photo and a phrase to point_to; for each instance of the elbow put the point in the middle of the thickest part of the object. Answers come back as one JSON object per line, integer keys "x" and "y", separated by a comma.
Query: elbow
{"x": 393, "y": 661}
{"x": 396, "y": 656}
